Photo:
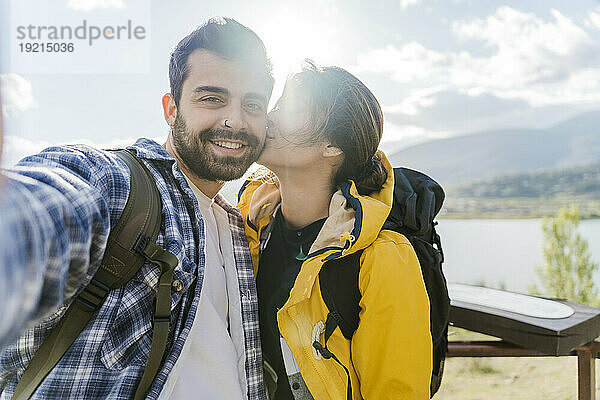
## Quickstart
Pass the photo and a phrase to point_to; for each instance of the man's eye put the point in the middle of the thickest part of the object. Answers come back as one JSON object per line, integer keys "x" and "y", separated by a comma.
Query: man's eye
{"x": 255, "y": 106}
{"x": 212, "y": 99}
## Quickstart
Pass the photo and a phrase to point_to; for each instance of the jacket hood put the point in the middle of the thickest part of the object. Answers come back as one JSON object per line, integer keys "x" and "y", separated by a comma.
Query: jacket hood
{"x": 353, "y": 223}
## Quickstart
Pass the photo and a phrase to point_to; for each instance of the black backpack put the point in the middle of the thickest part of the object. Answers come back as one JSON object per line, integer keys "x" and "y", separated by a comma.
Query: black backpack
{"x": 417, "y": 200}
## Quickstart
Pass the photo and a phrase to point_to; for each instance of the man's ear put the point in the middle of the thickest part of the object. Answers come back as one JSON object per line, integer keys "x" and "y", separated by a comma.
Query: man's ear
{"x": 331, "y": 150}
{"x": 169, "y": 109}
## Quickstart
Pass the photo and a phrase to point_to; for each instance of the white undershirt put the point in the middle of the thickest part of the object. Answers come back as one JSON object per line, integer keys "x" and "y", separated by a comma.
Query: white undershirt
{"x": 208, "y": 367}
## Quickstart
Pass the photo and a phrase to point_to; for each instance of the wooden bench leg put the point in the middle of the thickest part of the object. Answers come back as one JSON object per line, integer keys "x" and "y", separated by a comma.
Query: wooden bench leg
{"x": 586, "y": 374}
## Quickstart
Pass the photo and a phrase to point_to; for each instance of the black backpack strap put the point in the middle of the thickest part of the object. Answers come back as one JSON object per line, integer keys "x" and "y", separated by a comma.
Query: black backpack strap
{"x": 130, "y": 244}
{"x": 338, "y": 280}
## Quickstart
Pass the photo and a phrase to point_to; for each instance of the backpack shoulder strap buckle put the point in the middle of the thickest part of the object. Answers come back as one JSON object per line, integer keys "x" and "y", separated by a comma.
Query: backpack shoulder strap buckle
{"x": 155, "y": 254}
{"x": 92, "y": 296}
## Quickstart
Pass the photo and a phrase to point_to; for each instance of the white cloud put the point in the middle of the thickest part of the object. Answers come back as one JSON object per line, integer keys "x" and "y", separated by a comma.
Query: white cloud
{"x": 440, "y": 109}
{"x": 540, "y": 61}
{"x": 396, "y": 137}
{"x": 509, "y": 28}
{"x": 16, "y": 93}
{"x": 412, "y": 61}
{"x": 528, "y": 49}
{"x": 328, "y": 8}
{"x": 90, "y": 5}
{"x": 593, "y": 19}
{"x": 415, "y": 102}
{"x": 15, "y": 148}
{"x": 407, "y": 3}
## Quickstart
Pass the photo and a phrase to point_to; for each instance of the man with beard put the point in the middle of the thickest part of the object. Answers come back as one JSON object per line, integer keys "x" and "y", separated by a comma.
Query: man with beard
{"x": 61, "y": 204}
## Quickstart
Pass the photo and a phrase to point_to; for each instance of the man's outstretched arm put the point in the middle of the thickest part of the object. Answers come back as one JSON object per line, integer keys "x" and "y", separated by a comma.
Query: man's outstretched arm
{"x": 54, "y": 222}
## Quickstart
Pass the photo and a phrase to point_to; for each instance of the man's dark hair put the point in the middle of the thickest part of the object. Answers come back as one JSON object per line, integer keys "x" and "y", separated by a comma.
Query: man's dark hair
{"x": 228, "y": 39}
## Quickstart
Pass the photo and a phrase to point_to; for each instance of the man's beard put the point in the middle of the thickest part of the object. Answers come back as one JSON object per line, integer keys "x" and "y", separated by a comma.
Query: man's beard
{"x": 195, "y": 151}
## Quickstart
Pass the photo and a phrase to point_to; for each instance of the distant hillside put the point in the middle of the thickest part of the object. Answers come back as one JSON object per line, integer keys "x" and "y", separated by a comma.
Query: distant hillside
{"x": 526, "y": 195}
{"x": 577, "y": 181}
{"x": 574, "y": 142}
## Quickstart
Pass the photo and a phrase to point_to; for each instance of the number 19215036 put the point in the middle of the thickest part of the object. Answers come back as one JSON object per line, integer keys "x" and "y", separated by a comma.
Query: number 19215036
{"x": 46, "y": 47}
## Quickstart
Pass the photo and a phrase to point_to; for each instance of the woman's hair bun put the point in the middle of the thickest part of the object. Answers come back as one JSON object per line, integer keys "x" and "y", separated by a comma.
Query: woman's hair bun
{"x": 372, "y": 177}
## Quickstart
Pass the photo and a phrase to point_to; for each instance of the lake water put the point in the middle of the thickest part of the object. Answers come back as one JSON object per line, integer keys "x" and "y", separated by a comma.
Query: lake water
{"x": 502, "y": 252}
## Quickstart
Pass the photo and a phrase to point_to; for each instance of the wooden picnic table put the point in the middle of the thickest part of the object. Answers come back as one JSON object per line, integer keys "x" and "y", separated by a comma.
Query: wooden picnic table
{"x": 527, "y": 326}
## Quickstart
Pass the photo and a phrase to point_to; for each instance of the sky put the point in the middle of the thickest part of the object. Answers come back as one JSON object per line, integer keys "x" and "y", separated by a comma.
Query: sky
{"x": 438, "y": 67}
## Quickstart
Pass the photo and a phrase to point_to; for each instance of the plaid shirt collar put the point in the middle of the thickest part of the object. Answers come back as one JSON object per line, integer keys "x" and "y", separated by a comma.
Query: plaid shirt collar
{"x": 150, "y": 150}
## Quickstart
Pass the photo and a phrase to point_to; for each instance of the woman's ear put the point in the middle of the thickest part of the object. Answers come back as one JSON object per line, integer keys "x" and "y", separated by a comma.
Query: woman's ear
{"x": 331, "y": 150}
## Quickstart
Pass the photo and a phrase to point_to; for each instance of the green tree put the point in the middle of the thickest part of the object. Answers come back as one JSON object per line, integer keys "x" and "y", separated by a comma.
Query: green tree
{"x": 567, "y": 271}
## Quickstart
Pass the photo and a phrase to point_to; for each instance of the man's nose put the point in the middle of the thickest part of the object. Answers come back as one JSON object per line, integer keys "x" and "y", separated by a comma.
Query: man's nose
{"x": 234, "y": 119}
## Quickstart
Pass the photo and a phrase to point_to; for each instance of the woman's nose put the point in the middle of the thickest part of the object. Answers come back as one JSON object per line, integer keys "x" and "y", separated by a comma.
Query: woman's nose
{"x": 272, "y": 117}
{"x": 271, "y": 114}
{"x": 270, "y": 123}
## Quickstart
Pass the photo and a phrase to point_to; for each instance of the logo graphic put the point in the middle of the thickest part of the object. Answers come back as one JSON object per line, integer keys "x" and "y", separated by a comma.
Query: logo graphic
{"x": 55, "y": 36}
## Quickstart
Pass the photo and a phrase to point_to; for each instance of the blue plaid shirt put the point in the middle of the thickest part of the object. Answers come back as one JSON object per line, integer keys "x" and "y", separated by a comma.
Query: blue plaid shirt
{"x": 56, "y": 211}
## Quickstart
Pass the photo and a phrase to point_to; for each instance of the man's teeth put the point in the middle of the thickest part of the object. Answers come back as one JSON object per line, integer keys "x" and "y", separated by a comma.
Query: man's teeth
{"x": 229, "y": 145}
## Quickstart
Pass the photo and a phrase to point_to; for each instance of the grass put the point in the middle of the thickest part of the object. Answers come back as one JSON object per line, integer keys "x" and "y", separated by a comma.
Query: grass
{"x": 545, "y": 378}
{"x": 514, "y": 378}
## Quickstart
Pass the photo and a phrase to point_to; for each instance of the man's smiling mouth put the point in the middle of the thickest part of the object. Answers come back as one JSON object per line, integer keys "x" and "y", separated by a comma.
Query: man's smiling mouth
{"x": 228, "y": 145}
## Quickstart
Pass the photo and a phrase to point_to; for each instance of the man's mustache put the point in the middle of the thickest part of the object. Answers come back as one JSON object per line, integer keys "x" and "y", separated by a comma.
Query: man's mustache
{"x": 221, "y": 134}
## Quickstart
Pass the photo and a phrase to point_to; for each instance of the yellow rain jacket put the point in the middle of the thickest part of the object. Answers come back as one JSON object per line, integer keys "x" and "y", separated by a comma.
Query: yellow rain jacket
{"x": 390, "y": 354}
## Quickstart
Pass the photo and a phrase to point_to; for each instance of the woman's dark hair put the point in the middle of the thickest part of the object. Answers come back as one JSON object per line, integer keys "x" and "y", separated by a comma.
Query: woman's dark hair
{"x": 228, "y": 39}
{"x": 346, "y": 113}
